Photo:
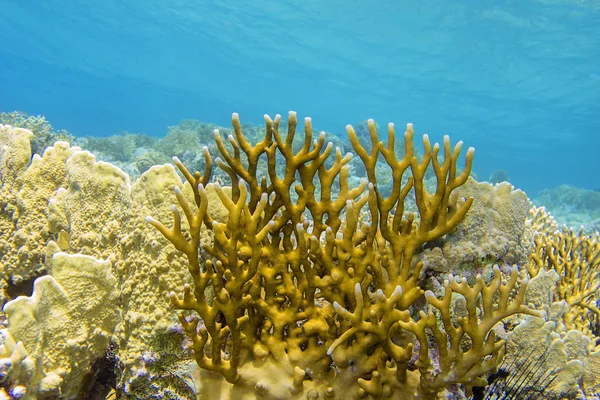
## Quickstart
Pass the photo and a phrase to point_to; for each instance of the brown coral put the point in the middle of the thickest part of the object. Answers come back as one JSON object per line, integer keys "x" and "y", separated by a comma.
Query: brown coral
{"x": 305, "y": 286}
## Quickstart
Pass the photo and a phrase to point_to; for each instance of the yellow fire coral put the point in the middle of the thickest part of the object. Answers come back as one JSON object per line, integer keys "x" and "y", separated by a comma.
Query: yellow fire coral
{"x": 313, "y": 294}
{"x": 576, "y": 259}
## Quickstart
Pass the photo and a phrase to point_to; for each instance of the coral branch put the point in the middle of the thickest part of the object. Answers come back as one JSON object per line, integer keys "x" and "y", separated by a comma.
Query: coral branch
{"x": 321, "y": 284}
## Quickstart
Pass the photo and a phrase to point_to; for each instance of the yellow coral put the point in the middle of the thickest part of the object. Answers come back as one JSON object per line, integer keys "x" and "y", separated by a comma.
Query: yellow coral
{"x": 27, "y": 184}
{"x": 306, "y": 284}
{"x": 67, "y": 200}
{"x": 540, "y": 221}
{"x": 65, "y": 325}
{"x": 576, "y": 259}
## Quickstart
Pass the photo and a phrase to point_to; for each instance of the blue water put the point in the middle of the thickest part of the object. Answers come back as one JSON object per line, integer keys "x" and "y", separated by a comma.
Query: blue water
{"x": 518, "y": 80}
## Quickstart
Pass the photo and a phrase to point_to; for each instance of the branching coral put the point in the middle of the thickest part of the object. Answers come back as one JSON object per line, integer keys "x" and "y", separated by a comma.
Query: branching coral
{"x": 323, "y": 288}
{"x": 576, "y": 259}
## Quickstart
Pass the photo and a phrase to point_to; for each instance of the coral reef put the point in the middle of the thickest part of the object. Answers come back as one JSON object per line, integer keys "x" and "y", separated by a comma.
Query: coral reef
{"x": 498, "y": 176}
{"x": 564, "y": 344}
{"x": 27, "y": 184}
{"x": 118, "y": 147}
{"x": 188, "y": 137}
{"x": 573, "y": 206}
{"x": 65, "y": 322}
{"x": 132, "y": 152}
{"x": 576, "y": 259}
{"x": 148, "y": 159}
{"x": 540, "y": 221}
{"x": 43, "y": 133}
{"x": 307, "y": 280}
{"x": 324, "y": 289}
{"x": 67, "y": 201}
{"x": 493, "y": 232}
{"x": 555, "y": 362}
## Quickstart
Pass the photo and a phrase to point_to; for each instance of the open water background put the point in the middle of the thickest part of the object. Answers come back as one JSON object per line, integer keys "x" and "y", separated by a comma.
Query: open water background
{"x": 518, "y": 80}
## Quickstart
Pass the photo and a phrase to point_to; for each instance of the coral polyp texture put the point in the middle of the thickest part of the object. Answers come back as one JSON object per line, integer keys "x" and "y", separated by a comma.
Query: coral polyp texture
{"x": 309, "y": 288}
{"x": 576, "y": 259}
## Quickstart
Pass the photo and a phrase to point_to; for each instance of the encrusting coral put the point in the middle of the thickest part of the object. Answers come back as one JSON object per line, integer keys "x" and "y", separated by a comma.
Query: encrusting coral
{"x": 545, "y": 358}
{"x": 64, "y": 326}
{"x": 26, "y": 183}
{"x": 306, "y": 296}
{"x": 492, "y": 233}
{"x": 44, "y": 134}
{"x": 67, "y": 201}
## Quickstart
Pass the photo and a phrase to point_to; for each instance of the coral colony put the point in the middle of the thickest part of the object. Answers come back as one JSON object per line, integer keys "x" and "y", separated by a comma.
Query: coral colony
{"x": 290, "y": 276}
{"x": 322, "y": 288}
